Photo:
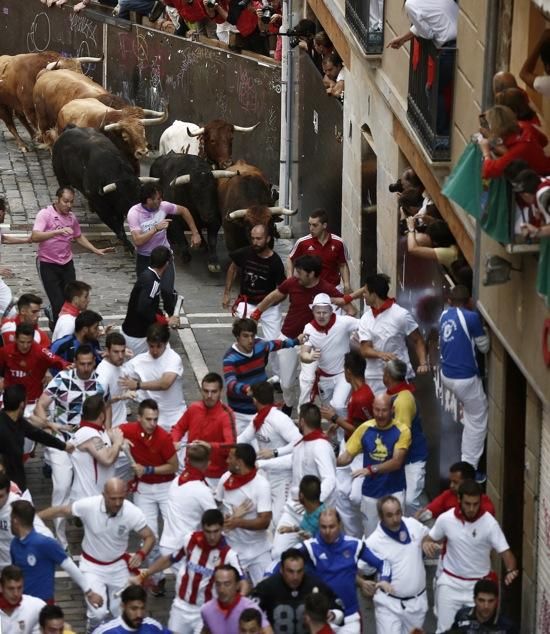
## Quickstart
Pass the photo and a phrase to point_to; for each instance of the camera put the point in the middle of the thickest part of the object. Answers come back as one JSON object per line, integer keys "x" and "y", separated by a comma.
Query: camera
{"x": 267, "y": 13}
{"x": 396, "y": 188}
{"x": 294, "y": 41}
{"x": 211, "y": 3}
{"x": 243, "y": 3}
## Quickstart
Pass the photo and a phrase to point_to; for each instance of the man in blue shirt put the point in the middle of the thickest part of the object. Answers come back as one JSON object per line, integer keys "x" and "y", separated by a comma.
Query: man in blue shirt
{"x": 334, "y": 558}
{"x": 460, "y": 332}
{"x": 38, "y": 555}
{"x": 133, "y": 617}
{"x": 86, "y": 330}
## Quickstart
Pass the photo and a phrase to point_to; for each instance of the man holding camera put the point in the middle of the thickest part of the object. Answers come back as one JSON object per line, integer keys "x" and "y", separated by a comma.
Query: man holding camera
{"x": 251, "y": 18}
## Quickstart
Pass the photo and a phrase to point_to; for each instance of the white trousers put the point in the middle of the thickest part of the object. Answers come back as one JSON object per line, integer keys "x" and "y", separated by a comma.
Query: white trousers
{"x": 370, "y": 512}
{"x": 376, "y": 384}
{"x": 399, "y": 617}
{"x": 256, "y": 567}
{"x": 185, "y": 618}
{"x": 351, "y": 625}
{"x": 62, "y": 480}
{"x": 152, "y": 499}
{"x": 450, "y": 596}
{"x": 270, "y": 321}
{"x": 306, "y": 379}
{"x": 5, "y": 299}
{"x": 136, "y": 344}
{"x": 289, "y": 362}
{"x": 415, "y": 475}
{"x": 475, "y": 414}
{"x": 348, "y": 507}
{"x": 107, "y": 581}
{"x": 333, "y": 390}
{"x": 242, "y": 421}
{"x": 280, "y": 487}
{"x": 293, "y": 514}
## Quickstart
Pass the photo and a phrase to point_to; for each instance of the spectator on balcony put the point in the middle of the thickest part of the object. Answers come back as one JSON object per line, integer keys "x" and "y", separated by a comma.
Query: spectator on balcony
{"x": 141, "y": 7}
{"x": 437, "y": 243}
{"x": 504, "y": 141}
{"x": 246, "y": 16}
{"x": 540, "y": 83}
{"x": 518, "y": 101}
{"x": 503, "y": 80}
{"x": 193, "y": 14}
{"x": 322, "y": 46}
{"x": 532, "y": 204}
{"x": 334, "y": 75}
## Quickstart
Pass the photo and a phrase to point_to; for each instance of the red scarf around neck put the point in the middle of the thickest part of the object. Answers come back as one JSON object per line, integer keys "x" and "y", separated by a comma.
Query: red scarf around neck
{"x": 401, "y": 387}
{"x": 69, "y": 309}
{"x": 228, "y": 608}
{"x": 463, "y": 519}
{"x": 237, "y": 480}
{"x": 6, "y": 605}
{"x": 316, "y": 434}
{"x": 190, "y": 474}
{"x": 87, "y": 423}
{"x": 326, "y": 328}
{"x": 262, "y": 414}
{"x": 388, "y": 303}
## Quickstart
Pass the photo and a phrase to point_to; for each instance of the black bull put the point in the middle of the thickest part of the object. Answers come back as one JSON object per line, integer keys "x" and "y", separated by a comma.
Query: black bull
{"x": 86, "y": 159}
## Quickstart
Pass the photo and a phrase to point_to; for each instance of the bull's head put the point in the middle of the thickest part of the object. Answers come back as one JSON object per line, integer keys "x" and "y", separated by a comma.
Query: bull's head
{"x": 186, "y": 178}
{"x": 112, "y": 187}
{"x": 73, "y": 63}
{"x": 260, "y": 215}
{"x": 218, "y": 140}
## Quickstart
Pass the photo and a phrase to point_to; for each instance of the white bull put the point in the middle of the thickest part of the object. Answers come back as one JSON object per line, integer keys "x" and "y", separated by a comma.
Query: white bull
{"x": 176, "y": 139}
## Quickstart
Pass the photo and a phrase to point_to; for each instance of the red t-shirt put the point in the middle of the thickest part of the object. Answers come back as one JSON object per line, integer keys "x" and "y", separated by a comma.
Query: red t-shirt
{"x": 8, "y": 332}
{"x": 215, "y": 425}
{"x": 360, "y": 406}
{"x": 247, "y": 22}
{"x": 333, "y": 253}
{"x": 190, "y": 11}
{"x": 154, "y": 450}
{"x": 300, "y": 297}
{"x": 449, "y": 500}
{"x": 28, "y": 369}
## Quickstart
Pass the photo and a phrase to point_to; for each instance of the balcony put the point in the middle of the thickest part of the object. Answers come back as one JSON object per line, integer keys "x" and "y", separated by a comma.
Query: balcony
{"x": 366, "y": 20}
{"x": 430, "y": 98}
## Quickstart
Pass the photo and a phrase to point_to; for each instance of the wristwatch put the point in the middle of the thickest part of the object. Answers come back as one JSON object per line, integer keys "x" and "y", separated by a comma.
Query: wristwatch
{"x": 275, "y": 452}
{"x": 334, "y": 418}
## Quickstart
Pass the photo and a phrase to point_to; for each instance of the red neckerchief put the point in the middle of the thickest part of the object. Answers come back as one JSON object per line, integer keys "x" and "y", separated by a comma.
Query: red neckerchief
{"x": 6, "y": 605}
{"x": 316, "y": 434}
{"x": 87, "y": 423}
{"x": 262, "y": 414}
{"x": 326, "y": 629}
{"x": 69, "y": 309}
{"x": 388, "y": 303}
{"x": 237, "y": 480}
{"x": 463, "y": 519}
{"x": 227, "y": 609}
{"x": 190, "y": 474}
{"x": 200, "y": 540}
{"x": 401, "y": 387}
{"x": 326, "y": 328}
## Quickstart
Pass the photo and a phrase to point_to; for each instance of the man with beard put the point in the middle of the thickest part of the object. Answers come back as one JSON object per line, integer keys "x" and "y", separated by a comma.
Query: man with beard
{"x": 133, "y": 616}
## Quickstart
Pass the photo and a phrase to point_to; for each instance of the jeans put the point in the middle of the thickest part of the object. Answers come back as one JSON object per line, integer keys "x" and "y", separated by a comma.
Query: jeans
{"x": 143, "y": 7}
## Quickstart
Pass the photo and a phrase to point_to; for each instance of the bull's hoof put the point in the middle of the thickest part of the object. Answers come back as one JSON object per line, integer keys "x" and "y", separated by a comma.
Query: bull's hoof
{"x": 24, "y": 149}
{"x": 214, "y": 267}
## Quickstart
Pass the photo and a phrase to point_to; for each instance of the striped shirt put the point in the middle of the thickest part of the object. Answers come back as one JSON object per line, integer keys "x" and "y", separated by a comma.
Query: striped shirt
{"x": 241, "y": 370}
{"x": 201, "y": 562}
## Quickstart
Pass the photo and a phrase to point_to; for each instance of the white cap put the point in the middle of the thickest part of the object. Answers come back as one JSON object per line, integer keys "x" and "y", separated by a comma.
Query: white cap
{"x": 321, "y": 299}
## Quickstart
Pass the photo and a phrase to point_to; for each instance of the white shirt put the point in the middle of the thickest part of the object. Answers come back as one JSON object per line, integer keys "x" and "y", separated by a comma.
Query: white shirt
{"x": 408, "y": 575}
{"x": 171, "y": 402}
{"x": 63, "y": 326}
{"x": 247, "y": 543}
{"x": 314, "y": 457}
{"x": 89, "y": 476}
{"x": 388, "y": 333}
{"x": 105, "y": 537}
{"x": 108, "y": 375}
{"x": 542, "y": 85}
{"x": 278, "y": 431}
{"x": 469, "y": 544}
{"x": 433, "y": 19}
{"x": 334, "y": 344}
{"x": 24, "y": 619}
{"x": 186, "y": 504}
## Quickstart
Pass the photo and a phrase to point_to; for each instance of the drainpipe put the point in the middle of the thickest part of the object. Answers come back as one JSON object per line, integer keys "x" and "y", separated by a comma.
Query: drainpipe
{"x": 287, "y": 103}
{"x": 490, "y": 65}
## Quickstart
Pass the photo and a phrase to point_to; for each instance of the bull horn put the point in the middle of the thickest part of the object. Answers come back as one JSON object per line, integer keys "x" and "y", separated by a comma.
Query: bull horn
{"x": 111, "y": 126}
{"x": 154, "y": 113}
{"x": 89, "y": 60}
{"x": 148, "y": 179}
{"x": 239, "y": 128}
{"x": 155, "y": 121}
{"x": 181, "y": 180}
{"x": 224, "y": 173}
{"x": 197, "y": 133}
{"x": 282, "y": 211}
{"x": 52, "y": 65}
{"x": 238, "y": 213}
{"x": 111, "y": 187}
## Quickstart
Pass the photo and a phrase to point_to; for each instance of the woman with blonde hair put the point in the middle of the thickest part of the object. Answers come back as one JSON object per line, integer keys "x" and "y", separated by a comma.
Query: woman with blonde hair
{"x": 507, "y": 141}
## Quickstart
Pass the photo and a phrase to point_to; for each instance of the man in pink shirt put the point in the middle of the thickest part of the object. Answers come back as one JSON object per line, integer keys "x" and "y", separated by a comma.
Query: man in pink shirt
{"x": 55, "y": 227}
{"x": 148, "y": 223}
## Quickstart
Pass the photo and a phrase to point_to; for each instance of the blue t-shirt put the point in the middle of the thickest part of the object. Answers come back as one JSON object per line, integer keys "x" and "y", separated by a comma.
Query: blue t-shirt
{"x": 37, "y": 555}
{"x": 118, "y": 626}
{"x": 457, "y": 356}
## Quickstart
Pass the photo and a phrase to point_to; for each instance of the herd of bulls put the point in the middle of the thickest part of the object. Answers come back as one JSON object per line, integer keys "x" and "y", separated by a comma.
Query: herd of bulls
{"x": 97, "y": 140}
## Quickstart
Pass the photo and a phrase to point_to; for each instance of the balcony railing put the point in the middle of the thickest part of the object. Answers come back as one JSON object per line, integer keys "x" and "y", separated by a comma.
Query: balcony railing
{"x": 366, "y": 19}
{"x": 430, "y": 99}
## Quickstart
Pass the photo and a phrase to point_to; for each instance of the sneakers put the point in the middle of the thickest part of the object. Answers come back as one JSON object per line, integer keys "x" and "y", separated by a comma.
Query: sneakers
{"x": 158, "y": 589}
{"x": 481, "y": 478}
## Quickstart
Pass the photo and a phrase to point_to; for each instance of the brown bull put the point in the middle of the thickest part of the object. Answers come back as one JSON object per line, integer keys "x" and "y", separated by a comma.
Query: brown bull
{"x": 217, "y": 141}
{"x": 17, "y": 78}
{"x": 54, "y": 89}
{"x": 125, "y": 127}
{"x": 245, "y": 201}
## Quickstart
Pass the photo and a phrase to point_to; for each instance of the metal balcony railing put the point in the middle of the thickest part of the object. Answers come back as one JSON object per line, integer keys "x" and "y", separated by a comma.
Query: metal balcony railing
{"x": 430, "y": 98}
{"x": 366, "y": 20}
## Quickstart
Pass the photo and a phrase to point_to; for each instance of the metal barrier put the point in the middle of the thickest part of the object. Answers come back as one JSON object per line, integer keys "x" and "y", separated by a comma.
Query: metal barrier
{"x": 430, "y": 99}
{"x": 366, "y": 19}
